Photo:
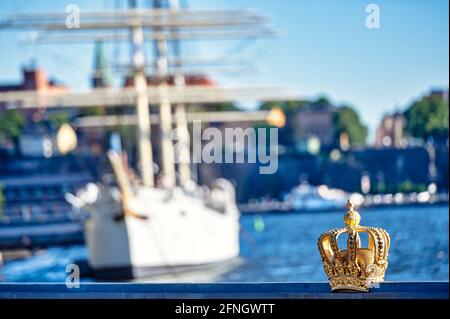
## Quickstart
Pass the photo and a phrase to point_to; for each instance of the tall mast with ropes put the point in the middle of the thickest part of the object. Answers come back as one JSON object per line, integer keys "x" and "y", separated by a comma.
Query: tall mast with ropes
{"x": 159, "y": 25}
{"x": 142, "y": 104}
{"x": 180, "y": 110}
{"x": 165, "y": 110}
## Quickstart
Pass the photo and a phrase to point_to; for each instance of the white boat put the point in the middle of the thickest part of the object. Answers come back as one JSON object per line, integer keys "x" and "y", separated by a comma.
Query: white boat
{"x": 306, "y": 197}
{"x": 143, "y": 229}
{"x": 147, "y": 231}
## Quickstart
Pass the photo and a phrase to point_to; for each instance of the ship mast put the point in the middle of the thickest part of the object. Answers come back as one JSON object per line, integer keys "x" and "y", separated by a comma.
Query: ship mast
{"x": 184, "y": 169}
{"x": 142, "y": 104}
{"x": 166, "y": 24}
{"x": 165, "y": 110}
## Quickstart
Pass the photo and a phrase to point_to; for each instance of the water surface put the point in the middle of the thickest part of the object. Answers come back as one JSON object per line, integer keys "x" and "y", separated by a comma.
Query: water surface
{"x": 283, "y": 247}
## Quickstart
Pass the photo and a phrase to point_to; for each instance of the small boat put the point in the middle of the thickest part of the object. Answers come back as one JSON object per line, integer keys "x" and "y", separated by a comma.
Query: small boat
{"x": 142, "y": 231}
{"x": 306, "y": 197}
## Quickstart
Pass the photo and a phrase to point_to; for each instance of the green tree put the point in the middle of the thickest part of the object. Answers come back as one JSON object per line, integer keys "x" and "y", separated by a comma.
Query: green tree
{"x": 12, "y": 123}
{"x": 59, "y": 118}
{"x": 408, "y": 187}
{"x": 322, "y": 101}
{"x": 347, "y": 121}
{"x": 427, "y": 118}
{"x": 93, "y": 111}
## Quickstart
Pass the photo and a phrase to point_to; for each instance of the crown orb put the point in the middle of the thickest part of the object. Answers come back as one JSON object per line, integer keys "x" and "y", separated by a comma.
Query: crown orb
{"x": 352, "y": 217}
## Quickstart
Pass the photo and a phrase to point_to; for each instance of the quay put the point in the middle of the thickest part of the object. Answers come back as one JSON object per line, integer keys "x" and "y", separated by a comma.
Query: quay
{"x": 31, "y": 235}
{"x": 387, "y": 290}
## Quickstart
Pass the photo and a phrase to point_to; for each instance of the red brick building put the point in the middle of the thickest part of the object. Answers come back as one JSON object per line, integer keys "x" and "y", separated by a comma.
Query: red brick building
{"x": 34, "y": 79}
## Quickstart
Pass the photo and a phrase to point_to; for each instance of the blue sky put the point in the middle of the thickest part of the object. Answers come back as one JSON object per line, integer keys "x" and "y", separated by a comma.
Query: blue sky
{"x": 324, "y": 49}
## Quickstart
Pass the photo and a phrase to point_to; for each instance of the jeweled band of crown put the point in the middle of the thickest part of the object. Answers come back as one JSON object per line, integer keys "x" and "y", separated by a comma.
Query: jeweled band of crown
{"x": 356, "y": 267}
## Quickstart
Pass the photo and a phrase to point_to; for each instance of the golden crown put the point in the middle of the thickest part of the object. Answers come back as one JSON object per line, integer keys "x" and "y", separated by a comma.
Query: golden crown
{"x": 356, "y": 267}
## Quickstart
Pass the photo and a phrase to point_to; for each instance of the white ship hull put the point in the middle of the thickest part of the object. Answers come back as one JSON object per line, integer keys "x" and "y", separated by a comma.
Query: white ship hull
{"x": 174, "y": 233}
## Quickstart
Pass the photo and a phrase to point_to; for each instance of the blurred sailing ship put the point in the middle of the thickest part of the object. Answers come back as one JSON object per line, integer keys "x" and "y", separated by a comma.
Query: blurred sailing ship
{"x": 138, "y": 228}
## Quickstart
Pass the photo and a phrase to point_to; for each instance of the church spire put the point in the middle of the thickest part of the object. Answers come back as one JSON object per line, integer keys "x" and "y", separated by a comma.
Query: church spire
{"x": 101, "y": 76}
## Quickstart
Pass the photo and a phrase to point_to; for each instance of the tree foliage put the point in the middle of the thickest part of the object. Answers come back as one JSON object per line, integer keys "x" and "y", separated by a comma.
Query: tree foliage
{"x": 427, "y": 118}
{"x": 59, "y": 118}
{"x": 93, "y": 111}
{"x": 348, "y": 121}
{"x": 11, "y": 124}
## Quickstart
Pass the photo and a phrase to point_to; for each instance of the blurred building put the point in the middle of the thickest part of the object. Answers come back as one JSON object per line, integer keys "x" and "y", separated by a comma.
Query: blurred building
{"x": 391, "y": 131}
{"x": 34, "y": 187}
{"x": 387, "y": 170}
{"x": 441, "y": 164}
{"x": 192, "y": 79}
{"x": 34, "y": 79}
{"x": 37, "y": 137}
{"x": 314, "y": 122}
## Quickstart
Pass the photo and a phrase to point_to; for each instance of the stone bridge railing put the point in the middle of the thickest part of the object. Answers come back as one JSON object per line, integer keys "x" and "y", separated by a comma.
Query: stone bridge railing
{"x": 387, "y": 290}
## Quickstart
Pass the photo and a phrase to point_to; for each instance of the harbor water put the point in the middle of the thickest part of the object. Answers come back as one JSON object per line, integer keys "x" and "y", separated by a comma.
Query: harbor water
{"x": 283, "y": 248}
